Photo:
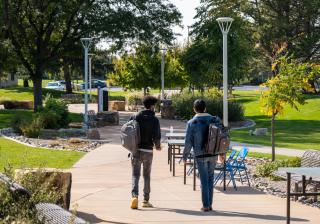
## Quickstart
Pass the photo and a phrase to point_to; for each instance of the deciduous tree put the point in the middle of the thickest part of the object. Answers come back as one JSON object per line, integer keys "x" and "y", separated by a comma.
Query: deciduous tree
{"x": 40, "y": 30}
{"x": 285, "y": 88}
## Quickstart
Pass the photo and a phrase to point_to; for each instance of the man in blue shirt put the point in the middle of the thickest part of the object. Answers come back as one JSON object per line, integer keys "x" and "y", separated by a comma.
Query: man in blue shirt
{"x": 196, "y": 138}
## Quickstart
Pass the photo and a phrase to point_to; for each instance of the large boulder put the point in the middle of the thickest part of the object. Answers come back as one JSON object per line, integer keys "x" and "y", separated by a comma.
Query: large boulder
{"x": 24, "y": 105}
{"x": 93, "y": 134}
{"x": 261, "y": 131}
{"x": 167, "y": 112}
{"x": 117, "y": 105}
{"x": 62, "y": 181}
{"x": 107, "y": 118}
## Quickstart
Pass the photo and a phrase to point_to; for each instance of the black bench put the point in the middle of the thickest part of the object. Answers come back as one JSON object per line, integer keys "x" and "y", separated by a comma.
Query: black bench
{"x": 308, "y": 159}
{"x": 47, "y": 212}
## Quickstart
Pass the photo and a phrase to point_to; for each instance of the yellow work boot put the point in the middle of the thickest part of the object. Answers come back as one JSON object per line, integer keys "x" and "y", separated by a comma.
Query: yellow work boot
{"x": 146, "y": 204}
{"x": 134, "y": 203}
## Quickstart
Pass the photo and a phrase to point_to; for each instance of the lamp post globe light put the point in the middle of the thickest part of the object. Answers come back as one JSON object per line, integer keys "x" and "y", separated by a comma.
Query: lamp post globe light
{"x": 225, "y": 24}
{"x": 86, "y": 42}
{"x": 163, "y": 52}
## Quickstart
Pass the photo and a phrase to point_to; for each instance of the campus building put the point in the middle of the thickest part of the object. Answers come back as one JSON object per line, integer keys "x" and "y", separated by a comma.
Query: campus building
{"x": 10, "y": 80}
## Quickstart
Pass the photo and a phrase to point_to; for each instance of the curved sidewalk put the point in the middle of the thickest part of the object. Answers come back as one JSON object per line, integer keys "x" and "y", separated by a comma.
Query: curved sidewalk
{"x": 102, "y": 183}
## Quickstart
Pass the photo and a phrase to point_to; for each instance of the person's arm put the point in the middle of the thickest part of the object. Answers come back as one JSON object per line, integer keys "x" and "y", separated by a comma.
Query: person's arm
{"x": 188, "y": 142}
{"x": 157, "y": 135}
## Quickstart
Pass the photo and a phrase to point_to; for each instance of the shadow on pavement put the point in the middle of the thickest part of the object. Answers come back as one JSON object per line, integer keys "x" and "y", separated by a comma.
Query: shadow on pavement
{"x": 91, "y": 218}
{"x": 229, "y": 214}
{"x": 241, "y": 190}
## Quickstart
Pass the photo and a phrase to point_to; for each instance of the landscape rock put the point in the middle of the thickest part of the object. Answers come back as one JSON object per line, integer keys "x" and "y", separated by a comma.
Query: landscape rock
{"x": 107, "y": 118}
{"x": 168, "y": 112}
{"x": 62, "y": 181}
{"x": 93, "y": 134}
{"x": 117, "y": 105}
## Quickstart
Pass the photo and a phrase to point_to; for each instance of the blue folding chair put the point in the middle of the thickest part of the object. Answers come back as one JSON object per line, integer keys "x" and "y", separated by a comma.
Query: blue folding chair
{"x": 238, "y": 165}
{"x": 228, "y": 170}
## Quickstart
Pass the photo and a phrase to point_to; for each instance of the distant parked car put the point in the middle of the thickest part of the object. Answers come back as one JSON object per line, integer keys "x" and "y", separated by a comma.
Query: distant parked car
{"x": 95, "y": 83}
{"x": 62, "y": 82}
{"x": 55, "y": 86}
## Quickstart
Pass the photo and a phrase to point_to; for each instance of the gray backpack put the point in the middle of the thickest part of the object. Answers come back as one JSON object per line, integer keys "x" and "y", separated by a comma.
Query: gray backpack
{"x": 130, "y": 135}
{"x": 218, "y": 140}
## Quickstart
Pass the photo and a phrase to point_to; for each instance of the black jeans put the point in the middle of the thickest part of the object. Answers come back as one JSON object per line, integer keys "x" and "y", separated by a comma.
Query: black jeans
{"x": 144, "y": 158}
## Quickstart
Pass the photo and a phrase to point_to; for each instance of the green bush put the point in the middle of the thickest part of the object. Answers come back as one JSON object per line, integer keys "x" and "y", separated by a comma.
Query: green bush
{"x": 53, "y": 115}
{"x": 267, "y": 169}
{"x": 32, "y": 130}
{"x": 21, "y": 209}
{"x": 18, "y": 122}
{"x": 60, "y": 108}
{"x": 134, "y": 98}
{"x": 49, "y": 119}
{"x": 183, "y": 104}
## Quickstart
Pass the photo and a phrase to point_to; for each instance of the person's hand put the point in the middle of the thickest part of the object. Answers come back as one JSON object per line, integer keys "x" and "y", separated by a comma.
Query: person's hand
{"x": 221, "y": 158}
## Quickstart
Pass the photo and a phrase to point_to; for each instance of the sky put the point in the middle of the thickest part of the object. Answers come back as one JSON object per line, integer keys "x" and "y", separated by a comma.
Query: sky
{"x": 188, "y": 10}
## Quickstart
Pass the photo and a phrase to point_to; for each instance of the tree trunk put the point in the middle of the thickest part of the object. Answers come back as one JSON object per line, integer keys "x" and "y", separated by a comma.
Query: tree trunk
{"x": 273, "y": 137}
{"x": 37, "y": 92}
{"x": 67, "y": 78}
{"x": 145, "y": 91}
{"x": 25, "y": 83}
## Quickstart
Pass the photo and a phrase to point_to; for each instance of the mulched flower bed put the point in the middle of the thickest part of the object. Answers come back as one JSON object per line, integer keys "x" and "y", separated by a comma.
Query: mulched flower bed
{"x": 74, "y": 144}
{"x": 276, "y": 188}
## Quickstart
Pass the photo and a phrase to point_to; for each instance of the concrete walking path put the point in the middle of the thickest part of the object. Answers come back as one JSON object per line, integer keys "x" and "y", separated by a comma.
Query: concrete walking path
{"x": 102, "y": 184}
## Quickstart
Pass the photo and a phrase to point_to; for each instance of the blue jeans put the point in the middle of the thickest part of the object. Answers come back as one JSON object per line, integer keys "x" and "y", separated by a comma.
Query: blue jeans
{"x": 206, "y": 167}
{"x": 144, "y": 159}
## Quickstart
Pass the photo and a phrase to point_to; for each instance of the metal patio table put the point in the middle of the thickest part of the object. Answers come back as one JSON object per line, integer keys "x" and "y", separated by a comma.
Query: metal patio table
{"x": 306, "y": 173}
{"x": 173, "y": 145}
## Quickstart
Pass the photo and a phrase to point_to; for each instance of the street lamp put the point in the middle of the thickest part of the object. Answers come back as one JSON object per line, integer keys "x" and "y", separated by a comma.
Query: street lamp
{"x": 163, "y": 52}
{"x": 90, "y": 74}
{"x": 225, "y": 24}
{"x": 86, "y": 42}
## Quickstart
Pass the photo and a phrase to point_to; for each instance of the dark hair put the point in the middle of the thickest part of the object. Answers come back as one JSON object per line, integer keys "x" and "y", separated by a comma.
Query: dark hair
{"x": 199, "y": 106}
{"x": 149, "y": 101}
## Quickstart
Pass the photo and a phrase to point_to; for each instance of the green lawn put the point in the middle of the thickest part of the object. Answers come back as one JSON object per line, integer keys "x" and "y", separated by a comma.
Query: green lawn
{"x": 294, "y": 129}
{"x": 26, "y": 94}
{"x": 21, "y": 156}
{"x": 7, "y": 115}
{"x": 20, "y": 93}
{"x": 269, "y": 156}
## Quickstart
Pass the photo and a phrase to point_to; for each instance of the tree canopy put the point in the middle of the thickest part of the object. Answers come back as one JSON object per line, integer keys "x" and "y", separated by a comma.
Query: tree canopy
{"x": 295, "y": 22}
{"x": 203, "y": 59}
{"x": 41, "y": 30}
{"x": 142, "y": 68}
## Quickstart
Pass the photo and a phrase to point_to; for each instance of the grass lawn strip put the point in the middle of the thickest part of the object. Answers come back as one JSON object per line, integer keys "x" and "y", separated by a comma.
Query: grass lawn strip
{"x": 294, "y": 129}
{"x": 20, "y": 156}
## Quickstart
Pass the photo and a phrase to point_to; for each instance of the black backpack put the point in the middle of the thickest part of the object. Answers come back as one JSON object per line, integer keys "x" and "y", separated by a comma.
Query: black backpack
{"x": 218, "y": 140}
